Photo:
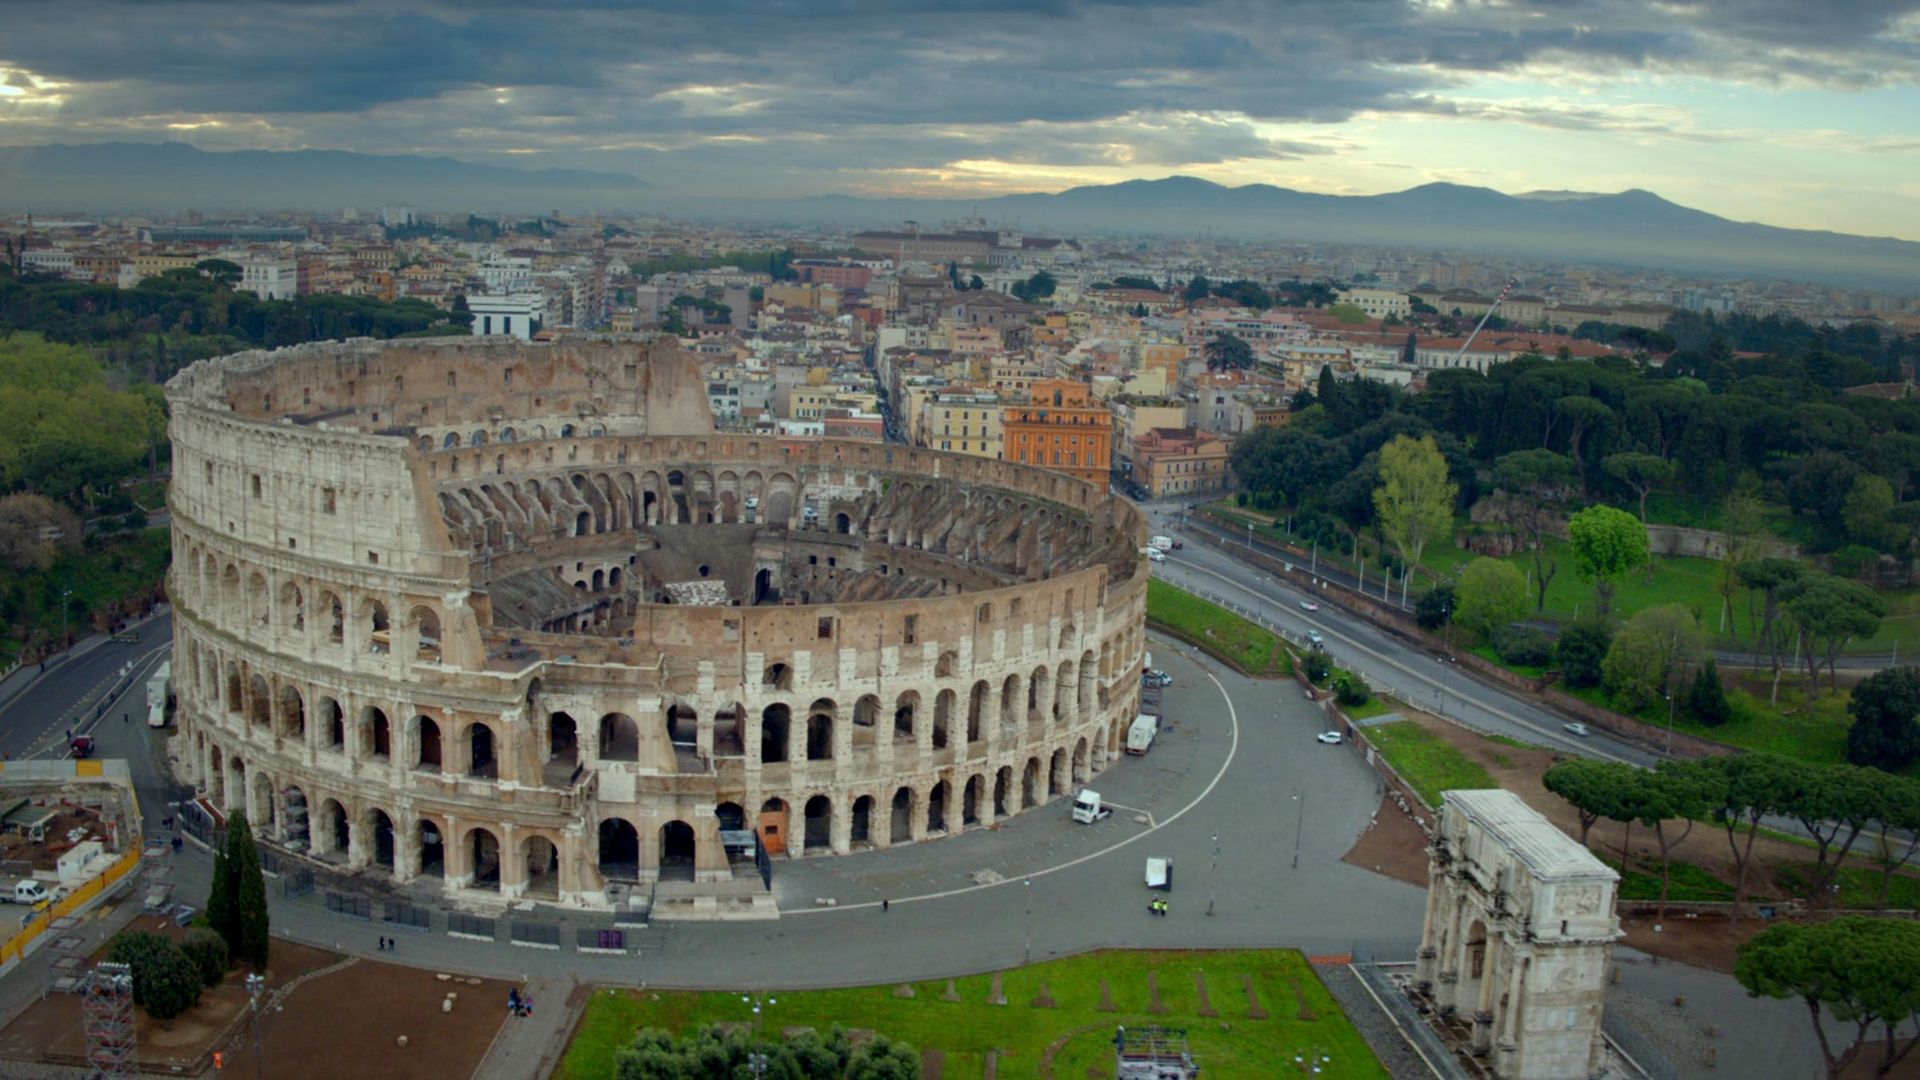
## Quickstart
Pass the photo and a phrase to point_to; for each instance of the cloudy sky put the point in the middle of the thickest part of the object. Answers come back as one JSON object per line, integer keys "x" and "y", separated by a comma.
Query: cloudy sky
{"x": 1794, "y": 112}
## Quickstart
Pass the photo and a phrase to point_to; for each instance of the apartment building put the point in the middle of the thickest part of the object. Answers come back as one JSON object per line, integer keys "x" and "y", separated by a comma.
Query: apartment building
{"x": 1061, "y": 427}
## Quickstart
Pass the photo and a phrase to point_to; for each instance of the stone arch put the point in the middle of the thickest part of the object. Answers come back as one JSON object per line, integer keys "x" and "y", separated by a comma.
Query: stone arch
{"x": 235, "y": 703}
{"x": 1039, "y": 693}
{"x": 729, "y": 731}
{"x": 817, "y": 829}
{"x": 683, "y": 725}
{"x": 540, "y": 862}
{"x": 1089, "y": 676}
{"x": 821, "y": 716}
{"x": 482, "y": 750}
{"x": 216, "y": 776}
{"x": 900, "y": 822}
{"x": 860, "y": 829}
{"x": 906, "y": 714}
{"x": 259, "y": 702}
{"x": 373, "y": 616}
{"x": 1030, "y": 784}
{"x": 1080, "y": 762}
{"x": 775, "y": 825}
{"x": 938, "y": 797}
{"x": 333, "y": 724}
{"x": 335, "y": 615}
{"x": 430, "y": 845}
{"x": 947, "y": 665}
{"x": 292, "y": 718}
{"x": 1011, "y": 700}
{"x": 678, "y": 850}
{"x": 970, "y": 799}
{"x": 619, "y": 851}
{"x": 731, "y": 817}
{"x": 775, "y": 721}
{"x": 425, "y": 623}
{"x": 483, "y": 859}
{"x": 977, "y": 703}
{"x": 427, "y": 751}
{"x": 1057, "y": 774}
{"x": 563, "y": 741}
{"x": 379, "y": 838}
{"x": 332, "y": 830}
{"x": 1063, "y": 685}
{"x": 375, "y": 734}
{"x": 619, "y": 738}
{"x": 943, "y": 719}
{"x": 293, "y": 609}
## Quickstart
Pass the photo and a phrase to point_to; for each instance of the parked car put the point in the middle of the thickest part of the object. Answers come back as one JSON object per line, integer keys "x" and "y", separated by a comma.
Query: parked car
{"x": 1331, "y": 738}
{"x": 1155, "y": 554}
{"x": 1157, "y": 678}
{"x": 1314, "y": 639}
{"x": 1577, "y": 729}
{"x": 1308, "y": 605}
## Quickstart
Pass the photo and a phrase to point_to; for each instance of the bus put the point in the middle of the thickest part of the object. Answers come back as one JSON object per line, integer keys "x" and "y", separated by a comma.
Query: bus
{"x": 159, "y": 690}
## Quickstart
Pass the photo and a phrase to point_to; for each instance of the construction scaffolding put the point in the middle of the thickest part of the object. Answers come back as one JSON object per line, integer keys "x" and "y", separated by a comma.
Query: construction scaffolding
{"x": 1152, "y": 1053}
{"x": 107, "y": 1011}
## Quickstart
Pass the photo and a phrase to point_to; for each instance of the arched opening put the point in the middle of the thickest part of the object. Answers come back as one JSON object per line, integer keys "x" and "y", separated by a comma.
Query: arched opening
{"x": 1080, "y": 762}
{"x": 970, "y": 801}
{"x": 381, "y": 829}
{"x": 333, "y": 834}
{"x": 293, "y": 713}
{"x": 774, "y": 721}
{"x": 333, "y": 724}
{"x": 976, "y": 709}
{"x": 1030, "y": 784}
{"x": 727, "y": 734}
{"x": 773, "y": 826}
{"x": 480, "y": 759}
{"x": 1062, "y": 687}
{"x": 676, "y": 851}
{"x": 901, "y": 829}
{"x": 1002, "y": 781}
{"x": 379, "y": 633}
{"x": 234, "y": 703}
{"x": 433, "y": 850}
{"x": 820, "y": 730}
{"x": 819, "y": 825}
{"x": 484, "y": 849}
{"x": 426, "y": 741}
{"x": 297, "y": 834}
{"x": 730, "y": 816}
{"x": 683, "y": 726}
{"x": 942, "y": 719}
{"x": 583, "y": 524}
{"x": 842, "y": 523}
{"x": 216, "y": 777}
{"x": 777, "y": 676}
{"x": 937, "y": 807}
{"x": 1057, "y": 773}
{"x": 619, "y": 850}
{"x": 336, "y": 615}
{"x": 905, "y": 711}
{"x": 376, "y": 733}
{"x": 1010, "y": 701}
{"x": 259, "y": 703}
{"x": 763, "y": 588}
{"x": 676, "y": 490}
{"x": 944, "y": 668}
{"x": 426, "y": 628}
{"x": 563, "y": 743}
{"x": 543, "y": 868}
{"x": 862, "y": 823}
{"x": 599, "y": 581}
{"x": 619, "y": 738}
{"x": 293, "y": 610}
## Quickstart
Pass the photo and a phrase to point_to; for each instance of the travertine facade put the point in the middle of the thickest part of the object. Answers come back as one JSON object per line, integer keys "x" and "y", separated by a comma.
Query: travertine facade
{"x": 514, "y": 615}
{"x": 1519, "y": 930}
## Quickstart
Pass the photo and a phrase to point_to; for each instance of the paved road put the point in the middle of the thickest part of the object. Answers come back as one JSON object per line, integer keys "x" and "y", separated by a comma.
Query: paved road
{"x": 92, "y": 682}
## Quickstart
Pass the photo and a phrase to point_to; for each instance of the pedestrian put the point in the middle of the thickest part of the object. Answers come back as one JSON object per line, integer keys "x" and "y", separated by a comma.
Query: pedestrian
{"x": 513, "y": 999}
{"x": 382, "y": 947}
{"x": 883, "y": 905}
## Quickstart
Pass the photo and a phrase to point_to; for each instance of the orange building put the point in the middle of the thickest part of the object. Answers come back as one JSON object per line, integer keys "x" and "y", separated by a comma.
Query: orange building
{"x": 1062, "y": 428}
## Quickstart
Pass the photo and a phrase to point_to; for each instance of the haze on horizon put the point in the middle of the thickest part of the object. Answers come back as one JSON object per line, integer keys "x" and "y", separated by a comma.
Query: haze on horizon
{"x": 1787, "y": 112}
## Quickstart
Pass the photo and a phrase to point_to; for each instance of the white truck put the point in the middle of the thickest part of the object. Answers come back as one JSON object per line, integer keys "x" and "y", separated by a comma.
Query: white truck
{"x": 1087, "y": 807}
{"x": 24, "y": 891}
{"x": 159, "y": 689}
{"x": 1161, "y": 543}
{"x": 1140, "y": 734}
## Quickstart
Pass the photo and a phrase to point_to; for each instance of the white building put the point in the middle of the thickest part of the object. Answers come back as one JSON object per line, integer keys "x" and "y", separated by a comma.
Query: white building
{"x": 397, "y": 217}
{"x": 508, "y": 315}
{"x": 504, "y": 274}
{"x": 1378, "y": 303}
{"x": 270, "y": 278}
{"x": 49, "y": 261}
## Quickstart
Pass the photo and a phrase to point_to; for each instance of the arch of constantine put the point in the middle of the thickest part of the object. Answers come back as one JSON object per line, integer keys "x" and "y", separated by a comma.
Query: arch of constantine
{"x": 515, "y": 617}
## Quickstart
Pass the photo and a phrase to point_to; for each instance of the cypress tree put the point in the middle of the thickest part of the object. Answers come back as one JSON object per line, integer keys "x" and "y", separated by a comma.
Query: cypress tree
{"x": 1707, "y": 699}
{"x": 222, "y": 914}
{"x": 249, "y": 894}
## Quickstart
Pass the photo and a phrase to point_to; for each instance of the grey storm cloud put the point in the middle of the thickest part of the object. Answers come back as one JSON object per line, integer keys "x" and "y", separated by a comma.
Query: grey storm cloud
{"x": 825, "y": 83}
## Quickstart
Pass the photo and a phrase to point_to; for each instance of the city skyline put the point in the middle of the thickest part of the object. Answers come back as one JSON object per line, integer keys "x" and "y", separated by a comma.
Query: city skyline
{"x": 1781, "y": 113}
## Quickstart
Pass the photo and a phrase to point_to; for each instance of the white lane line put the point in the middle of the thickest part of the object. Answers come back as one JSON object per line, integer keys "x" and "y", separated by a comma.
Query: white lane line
{"x": 131, "y": 672}
{"x": 1233, "y": 747}
{"x": 1582, "y": 748}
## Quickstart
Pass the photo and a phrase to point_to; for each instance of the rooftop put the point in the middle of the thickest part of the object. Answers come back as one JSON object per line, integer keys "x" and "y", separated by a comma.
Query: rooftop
{"x": 1550, "y": 853}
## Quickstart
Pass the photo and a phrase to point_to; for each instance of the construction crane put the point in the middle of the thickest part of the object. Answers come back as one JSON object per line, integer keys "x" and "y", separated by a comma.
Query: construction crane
{"x": 1511, "y": 284}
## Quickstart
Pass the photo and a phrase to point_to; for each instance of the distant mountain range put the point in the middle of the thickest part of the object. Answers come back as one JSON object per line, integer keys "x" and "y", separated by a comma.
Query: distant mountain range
{"x": 1628, "y": 228}
{"x": 170, "y": 177}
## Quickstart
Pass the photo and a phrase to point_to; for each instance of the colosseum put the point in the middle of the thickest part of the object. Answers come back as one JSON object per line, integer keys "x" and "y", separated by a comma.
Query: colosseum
{"x": 514, "y": 621}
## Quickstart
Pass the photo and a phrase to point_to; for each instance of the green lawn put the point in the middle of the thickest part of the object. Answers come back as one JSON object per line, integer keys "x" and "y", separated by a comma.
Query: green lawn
{"x": 1859, "y": 883}
{"x": 1230, "y": 1043}
{"x": 1216, "y": 629}
{"x": 1689, "y": 883}
{"x": 1427, "y": 762}
{"x": 1375, "y": 706}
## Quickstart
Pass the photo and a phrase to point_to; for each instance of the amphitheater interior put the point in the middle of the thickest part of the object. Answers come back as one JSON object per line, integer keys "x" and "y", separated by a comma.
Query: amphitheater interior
{"x": 513, "y": 621}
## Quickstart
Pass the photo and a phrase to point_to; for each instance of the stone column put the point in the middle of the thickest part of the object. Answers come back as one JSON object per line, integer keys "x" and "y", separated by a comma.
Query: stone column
{"x": 709, "y": 857}
{"x": 840, "y": 834}
{"x": 456, "y": 856}
{"x": 406, "y": 849}
{"x": 513, "y": 862}
{"x": 917, "y": 814}
{"x": 359, "y": 852}
{"x": 1483, "y": 1007}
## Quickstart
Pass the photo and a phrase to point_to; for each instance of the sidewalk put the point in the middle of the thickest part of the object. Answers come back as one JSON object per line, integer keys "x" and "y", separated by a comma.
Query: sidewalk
{"x": 531, "y": 1046}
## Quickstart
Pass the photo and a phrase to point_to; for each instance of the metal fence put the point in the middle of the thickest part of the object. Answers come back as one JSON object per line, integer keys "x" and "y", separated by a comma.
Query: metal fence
{"x": 296, "y": 883}
{"x": 599, "y": 939}
{"x": 412, "y": 916}
{"x": 471, "y": 925}
{"x": 546, "y": 935}
{"x": 356, "y": 907}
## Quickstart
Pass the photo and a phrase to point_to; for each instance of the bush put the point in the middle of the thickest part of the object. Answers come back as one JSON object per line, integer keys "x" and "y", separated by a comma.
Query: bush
{"x": 165, "y": 982}
{"x": 1435, "y": 607}
{"x": 1319, "y": 666}
{"x": 208, "y": 951}
{"x": 1581, "y": 651}
{"x": 1853, "y": 560}
{"x": 1707, "y": 699}
{"x": 1350, "y": 689}
{"x": 1523, "y": 646}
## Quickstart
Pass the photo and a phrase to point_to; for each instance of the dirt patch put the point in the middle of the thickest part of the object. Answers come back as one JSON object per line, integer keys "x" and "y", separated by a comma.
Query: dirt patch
{"x": 1153, "y": 994}
{"x": 1254, "y": 1009}
{"x": 1059, "y": 1044}
{"x": 1703, "y": 942}
{"x": 51, "y": 1029}
{"x": 1392, "y": 846}
{"x": 1200, "y": 987}
{"x": 1300, "y": 1001}
{"x": 1044, "y": 1000}
{"x": 378, "y": 1003}
{"x": 904, "y": 990}
{"x": 998, "y": 994}
{"x": 1106, "y": 997}
{"x": 933, "y": 1064}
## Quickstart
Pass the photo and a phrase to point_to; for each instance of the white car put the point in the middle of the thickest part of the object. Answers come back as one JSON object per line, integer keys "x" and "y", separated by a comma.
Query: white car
{"x": 1308, "y": 605}
{"x": 1577, "y": 729}
{"x": 1314, "y": 638}
{"x": 1155, "y": 555}
{"x": 1331, "y": 738}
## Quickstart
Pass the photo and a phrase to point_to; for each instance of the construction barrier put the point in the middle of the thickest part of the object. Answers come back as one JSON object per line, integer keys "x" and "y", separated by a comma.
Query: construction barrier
{"x": 67, "y": 905}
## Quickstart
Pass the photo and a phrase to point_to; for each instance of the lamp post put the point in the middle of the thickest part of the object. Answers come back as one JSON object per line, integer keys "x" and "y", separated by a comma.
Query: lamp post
{"x": 1669, "y": 697}
{"x": 1213, "y": 874}
{"x": 1299, "y": 826}
{"x": 66, "y": 594}
{"x": 1026, "y": 954}
{"x": 255, "y": 984}
{"x": 755, "y": 1001}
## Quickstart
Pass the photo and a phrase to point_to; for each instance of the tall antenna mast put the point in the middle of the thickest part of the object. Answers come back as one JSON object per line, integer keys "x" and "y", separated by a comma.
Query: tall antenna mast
{"x": 1511, "y": 282}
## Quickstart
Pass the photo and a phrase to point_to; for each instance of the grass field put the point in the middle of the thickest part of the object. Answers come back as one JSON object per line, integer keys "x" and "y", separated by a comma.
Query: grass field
{"x": 1689, "y": 883}
{"x": 1859, "y": 883}
{"x": 1233, "y": 1040}
{"x": 1427, "y": 762}
{"x": 1375, "y": 706}
{"x": 1217, "y": 630}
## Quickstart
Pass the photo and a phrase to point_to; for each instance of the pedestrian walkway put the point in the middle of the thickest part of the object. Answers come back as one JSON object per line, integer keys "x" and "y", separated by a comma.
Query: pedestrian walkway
{"x": 531, "y": 1046}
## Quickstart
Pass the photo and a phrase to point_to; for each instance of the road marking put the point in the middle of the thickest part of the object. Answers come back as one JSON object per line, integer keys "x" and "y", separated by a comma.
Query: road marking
{"x": 1233, "y": 747}
{"x": 1583, "y": 748}
{"x": 131, "y": 673}
{"x": 1136, "y": 810}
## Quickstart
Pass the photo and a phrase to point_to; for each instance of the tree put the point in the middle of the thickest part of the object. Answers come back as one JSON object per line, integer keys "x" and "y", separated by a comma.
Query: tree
{"x": 1674, "y": 796}
{"x": 1283, "y": 463}
{"x": 1639, "y": 472}
{"x": 1595, "y": 789}
{"x": 223, "y": 901}
{"x": 1434, "y": 609}
{"x": 33, "y": 529}
{"x": 1351, "y": 690}
{"x": 1829, "y": 614}
{"x": 1751, "y": 787}
{"x": 1581, "y": 651}
{"x": 250, "y": 893}
{"x": 1884, "y": 733}
{"x": 1897, "y": 830}
{"x": 209, "y": 954}
{"x": 1743, "y": 523}
{"x": 1318, "y": 665}
{"x": 1768, "y": 577}
{"x": 1867, "y": 511}
{"x": 1582, "y": 414}
{"x": 223, "y": 272}
{"x": 1492, "y": 594}
{"x": 1833, "y": 805}
{"x": 1707, "y": 698}
{"x": 1863, "y": 970}
{"x": 1326, "y": 390}
{"x": 1415, "y": 499}
{"x": 1197, "y": 290}
{"x": 1646, "y": 653}
{"x": 976, "y": 283}
{"x": 165, "y": 982}
{"x": 882, "y": 1058}
{"x": 1607, "y": 544}
{"x": 1225, "y": 352}
{"x": 1410, "y": 351}
{"x": 1535, "y": 485}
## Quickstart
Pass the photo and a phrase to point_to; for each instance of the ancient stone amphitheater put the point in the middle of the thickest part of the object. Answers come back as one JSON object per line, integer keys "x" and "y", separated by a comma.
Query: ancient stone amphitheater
{"x": 516, "y": 618}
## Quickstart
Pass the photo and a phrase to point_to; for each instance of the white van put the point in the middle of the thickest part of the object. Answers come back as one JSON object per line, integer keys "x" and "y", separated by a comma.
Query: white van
{"x": 1140, "y": 735}
{"x": 1161, "y": 543}
{"x": 28, "y": 891}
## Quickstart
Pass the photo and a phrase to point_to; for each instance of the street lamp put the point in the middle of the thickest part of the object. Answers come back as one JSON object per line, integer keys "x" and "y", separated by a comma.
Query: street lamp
{"x": 754, "y": 1000}
{"x": 255, "y": 984}
{"x": 1299, "y": 825}
{"x": 1213, "y": 873}
{"x": 1026, "y": 955}
{"x": 1669, "y": 697}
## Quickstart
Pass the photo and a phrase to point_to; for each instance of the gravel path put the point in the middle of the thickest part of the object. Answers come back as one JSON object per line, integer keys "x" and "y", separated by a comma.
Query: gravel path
{"x": 1373, "y": 1024}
